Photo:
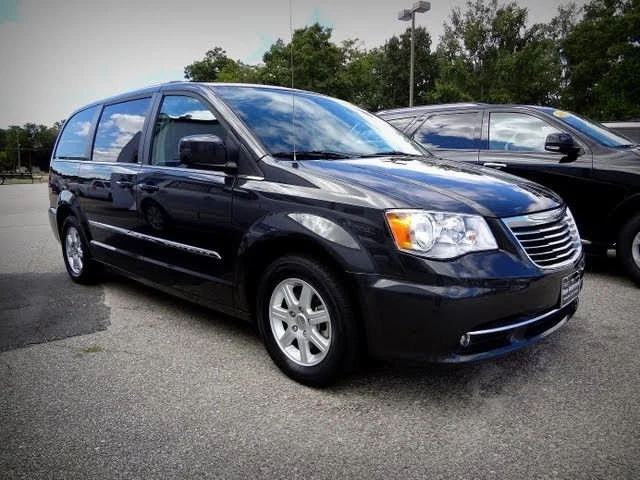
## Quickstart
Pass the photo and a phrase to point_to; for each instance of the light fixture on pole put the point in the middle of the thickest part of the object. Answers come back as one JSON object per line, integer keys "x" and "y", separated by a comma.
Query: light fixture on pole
{"x": 406, "y": 15}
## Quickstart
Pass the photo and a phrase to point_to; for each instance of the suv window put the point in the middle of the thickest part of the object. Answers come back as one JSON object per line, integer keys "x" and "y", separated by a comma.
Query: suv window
{"x": 73, "y": 140}
{"x": 456, "y": 131}
{"x": 119, "y": 131}
{"x": 518, "y": 132}
{"x": 401, "y": 123}
{"x": 181, "y": 116}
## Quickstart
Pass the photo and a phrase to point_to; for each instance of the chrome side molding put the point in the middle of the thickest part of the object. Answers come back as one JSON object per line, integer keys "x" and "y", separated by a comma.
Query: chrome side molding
{"x": 156, "y": 240}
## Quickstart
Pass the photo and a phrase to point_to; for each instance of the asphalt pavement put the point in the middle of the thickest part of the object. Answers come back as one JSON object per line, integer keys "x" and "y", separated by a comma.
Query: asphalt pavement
{"x": 122, "y": 381}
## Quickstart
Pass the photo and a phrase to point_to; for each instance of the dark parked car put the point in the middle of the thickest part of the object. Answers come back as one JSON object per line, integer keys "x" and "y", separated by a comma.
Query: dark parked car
{"x": 630, "y": 130}
{"x": 594, "y": 169}
{"x": 337, "y": 234}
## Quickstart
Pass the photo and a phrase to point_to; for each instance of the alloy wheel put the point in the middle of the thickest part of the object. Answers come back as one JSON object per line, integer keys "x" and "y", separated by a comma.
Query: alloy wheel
{"x": 300, "y": 322}
{"x": 73, "y": 250}
{"x": 635, "y": 249}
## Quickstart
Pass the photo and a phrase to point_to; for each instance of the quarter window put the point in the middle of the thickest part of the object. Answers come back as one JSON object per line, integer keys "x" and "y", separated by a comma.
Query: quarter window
{"x": 181, "y": 116}
{"x": 75, "y": 134}
{"x": 401, "y": 123}
{"x": 452, "y": 131}
{"x": 518, "y": 132}
{"x": 119, "y": 131}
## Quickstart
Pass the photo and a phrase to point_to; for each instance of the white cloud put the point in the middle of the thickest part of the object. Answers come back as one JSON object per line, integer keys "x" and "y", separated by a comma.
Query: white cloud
{"x": 64, "y": 54}
{"x": 83, "y": 129}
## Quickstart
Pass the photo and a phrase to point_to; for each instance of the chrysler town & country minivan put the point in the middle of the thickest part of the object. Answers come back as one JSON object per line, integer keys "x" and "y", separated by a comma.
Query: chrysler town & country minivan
{"x": 337, "y": 234}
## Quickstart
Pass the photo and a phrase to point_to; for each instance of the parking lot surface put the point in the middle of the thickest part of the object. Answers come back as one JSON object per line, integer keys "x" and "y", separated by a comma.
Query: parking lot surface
{"x": 120, "y": 380}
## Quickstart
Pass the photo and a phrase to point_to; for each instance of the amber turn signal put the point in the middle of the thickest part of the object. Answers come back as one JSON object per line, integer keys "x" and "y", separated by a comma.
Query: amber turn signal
{"x": 400, "y": 224}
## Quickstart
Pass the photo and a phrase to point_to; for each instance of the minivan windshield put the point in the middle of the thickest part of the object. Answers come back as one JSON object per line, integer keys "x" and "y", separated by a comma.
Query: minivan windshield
{"x": 324, "y": 127}
{"x": 599, "y": 133}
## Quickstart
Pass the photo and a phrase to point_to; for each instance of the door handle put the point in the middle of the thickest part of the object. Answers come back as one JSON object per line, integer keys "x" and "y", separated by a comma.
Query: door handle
{"x": 147, "y": 187}
{"x": 495, "y": 165}
{"x": 125, "y": 184}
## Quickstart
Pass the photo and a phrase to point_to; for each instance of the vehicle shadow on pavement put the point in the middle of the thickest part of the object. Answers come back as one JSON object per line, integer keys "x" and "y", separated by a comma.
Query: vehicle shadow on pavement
{"x": 395, "y": 382}
{"x": 194, "y": 312}
{"x": 605, "y": 264}
{"x": 42, "y": 307}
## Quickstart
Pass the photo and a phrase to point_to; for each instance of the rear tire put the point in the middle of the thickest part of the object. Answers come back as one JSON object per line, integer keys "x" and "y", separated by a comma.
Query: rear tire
{"x": 81, "y": 266}
{"x": 628, "y": 248}
{"x": 307, "y": 321}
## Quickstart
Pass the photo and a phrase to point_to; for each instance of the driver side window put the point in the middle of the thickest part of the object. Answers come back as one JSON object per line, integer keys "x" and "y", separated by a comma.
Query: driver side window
{"x": 518, "y": 132}
{"x": 181, "y": 116}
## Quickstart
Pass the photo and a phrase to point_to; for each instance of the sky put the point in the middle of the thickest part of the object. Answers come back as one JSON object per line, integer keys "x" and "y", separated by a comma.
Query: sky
{"x": 57, "y": 55}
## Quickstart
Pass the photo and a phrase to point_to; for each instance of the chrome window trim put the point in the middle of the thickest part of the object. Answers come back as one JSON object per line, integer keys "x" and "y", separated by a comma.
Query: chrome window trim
{"x": 181, "y": 169}
{"x": 159, "y": 241}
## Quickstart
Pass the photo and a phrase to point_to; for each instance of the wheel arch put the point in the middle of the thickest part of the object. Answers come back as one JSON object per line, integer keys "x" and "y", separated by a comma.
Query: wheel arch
{"x": 68, "y": 205}
{"x": 269, "y": 240}
{"x": 619, "y": 217}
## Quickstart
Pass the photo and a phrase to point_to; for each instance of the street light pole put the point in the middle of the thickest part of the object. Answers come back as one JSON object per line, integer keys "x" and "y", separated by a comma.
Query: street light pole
{"x": 410, "y": 14}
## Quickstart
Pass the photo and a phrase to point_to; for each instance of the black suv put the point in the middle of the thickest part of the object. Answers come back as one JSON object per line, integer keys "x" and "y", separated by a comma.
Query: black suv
{"x": 594, "y": 169}
{"x": 336, "y": 233}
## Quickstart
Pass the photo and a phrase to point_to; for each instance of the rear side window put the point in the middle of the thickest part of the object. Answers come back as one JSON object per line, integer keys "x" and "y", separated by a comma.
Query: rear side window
{"x": 451, "y": 131}
{"x": 119, "y": 131}
{"x": 75, "y": 134}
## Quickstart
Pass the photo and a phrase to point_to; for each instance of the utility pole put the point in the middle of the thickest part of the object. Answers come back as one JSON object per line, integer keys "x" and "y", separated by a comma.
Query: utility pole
{"x": 18, "y": 143}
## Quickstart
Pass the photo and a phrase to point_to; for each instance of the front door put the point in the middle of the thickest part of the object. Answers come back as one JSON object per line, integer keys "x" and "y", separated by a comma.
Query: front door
{"x": 514, "y": 142}
{"x": 184, "y": 212}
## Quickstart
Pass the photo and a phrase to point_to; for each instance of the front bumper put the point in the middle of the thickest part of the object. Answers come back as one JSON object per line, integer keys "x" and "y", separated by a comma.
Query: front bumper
{"x": 471, "y": 316}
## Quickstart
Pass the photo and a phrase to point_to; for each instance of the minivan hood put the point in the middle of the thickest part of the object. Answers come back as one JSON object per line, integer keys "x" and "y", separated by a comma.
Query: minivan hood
{"x": 425, "y": 182}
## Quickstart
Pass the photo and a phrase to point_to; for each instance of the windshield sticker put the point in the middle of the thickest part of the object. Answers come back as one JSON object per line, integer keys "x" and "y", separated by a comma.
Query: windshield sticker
{"x": 560, "y": 114}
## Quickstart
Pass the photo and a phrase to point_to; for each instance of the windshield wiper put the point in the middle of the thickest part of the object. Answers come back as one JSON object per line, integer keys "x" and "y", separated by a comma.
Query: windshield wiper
{"x": 313, "y": 154}
{"x": 391, "y": 153}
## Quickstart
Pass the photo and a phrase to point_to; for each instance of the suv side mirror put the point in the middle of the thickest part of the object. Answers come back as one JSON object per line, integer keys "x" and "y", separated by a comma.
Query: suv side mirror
{"x": 561, "y": 143}
{"x": 203, "y": 151}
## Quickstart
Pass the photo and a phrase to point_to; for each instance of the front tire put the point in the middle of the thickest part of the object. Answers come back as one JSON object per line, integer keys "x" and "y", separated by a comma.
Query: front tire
{"x": 307, "y": 321}
{"x": 628, "y": 248}
{"x": 75, "y": 251}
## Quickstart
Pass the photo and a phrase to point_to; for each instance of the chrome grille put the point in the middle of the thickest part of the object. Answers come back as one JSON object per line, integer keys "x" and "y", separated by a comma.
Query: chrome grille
{"x": 550, "y": 239}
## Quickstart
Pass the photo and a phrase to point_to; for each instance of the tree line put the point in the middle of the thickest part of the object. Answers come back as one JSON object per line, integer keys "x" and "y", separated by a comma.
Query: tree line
{"x": 585, "y": 59}
{"x": 27, "y": 146}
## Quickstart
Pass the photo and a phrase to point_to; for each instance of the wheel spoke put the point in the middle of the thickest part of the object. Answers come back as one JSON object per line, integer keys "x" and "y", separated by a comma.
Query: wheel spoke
{"x": 280, "y": 314}
{"x": 305, "y": 351}
{"x": 289, "y": 296}
{"x": 318, "y": 317}
{"x": 305, "y": 298}
{"x": 318, "y": 340}
{"x": 286, "y": 339}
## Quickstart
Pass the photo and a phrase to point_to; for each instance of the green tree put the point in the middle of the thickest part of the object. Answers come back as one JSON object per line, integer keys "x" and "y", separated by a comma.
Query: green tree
{"x": 488, "y": 54}
{"x": 218, "y": 67}
{"x": 392, "y": 65}
{"x": 317, "y": 62}
{"x": 602, "y": 53}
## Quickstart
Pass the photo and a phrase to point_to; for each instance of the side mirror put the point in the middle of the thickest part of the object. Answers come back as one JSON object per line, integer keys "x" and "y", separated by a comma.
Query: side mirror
{"x": 203, "y": 151}
{"x": 561, "y": 143}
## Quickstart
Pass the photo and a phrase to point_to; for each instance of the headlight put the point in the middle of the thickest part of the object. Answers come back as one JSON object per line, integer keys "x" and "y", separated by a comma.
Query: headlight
{"x": 439, "y": 235}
